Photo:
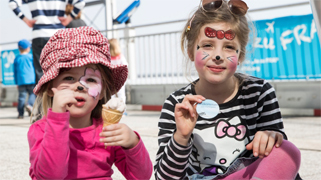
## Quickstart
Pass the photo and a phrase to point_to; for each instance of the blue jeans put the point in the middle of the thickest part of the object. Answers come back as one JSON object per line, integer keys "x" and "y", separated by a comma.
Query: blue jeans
{"x": 23, "y": 91}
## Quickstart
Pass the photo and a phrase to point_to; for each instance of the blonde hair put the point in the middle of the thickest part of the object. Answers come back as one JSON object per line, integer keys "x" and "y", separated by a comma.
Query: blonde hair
{"x": 200, "y": 18}
{"x": 69, "y": 9}
{"x": 44, "y": 101}
{"x": 114, "y": 47}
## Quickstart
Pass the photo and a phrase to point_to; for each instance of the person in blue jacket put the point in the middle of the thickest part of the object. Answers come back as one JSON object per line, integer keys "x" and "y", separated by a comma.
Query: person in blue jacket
{"x": 25, "y": 77}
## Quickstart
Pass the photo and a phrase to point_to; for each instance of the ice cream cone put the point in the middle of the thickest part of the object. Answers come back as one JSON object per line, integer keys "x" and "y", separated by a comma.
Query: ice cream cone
{"x": 111, "y": 116}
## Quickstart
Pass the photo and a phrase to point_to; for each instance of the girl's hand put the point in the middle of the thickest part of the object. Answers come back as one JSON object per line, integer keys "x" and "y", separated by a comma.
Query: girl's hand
{"x": 186, "y": 117}
{"x": 62, "y": 99}
{"x": 119, "y": 135}
{"x": 264, "y": 141}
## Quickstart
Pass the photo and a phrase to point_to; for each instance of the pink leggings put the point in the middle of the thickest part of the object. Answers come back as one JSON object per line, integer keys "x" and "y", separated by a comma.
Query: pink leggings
{"x": 282, "y": 163}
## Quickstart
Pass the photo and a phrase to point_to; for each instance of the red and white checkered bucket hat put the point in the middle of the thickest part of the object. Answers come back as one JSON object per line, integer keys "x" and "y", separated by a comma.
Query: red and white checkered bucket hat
{"x": 76, "y": 47}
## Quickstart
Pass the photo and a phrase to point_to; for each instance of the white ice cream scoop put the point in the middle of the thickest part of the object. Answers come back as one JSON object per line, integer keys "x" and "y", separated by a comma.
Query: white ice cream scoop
{"x": 117, "y": 104}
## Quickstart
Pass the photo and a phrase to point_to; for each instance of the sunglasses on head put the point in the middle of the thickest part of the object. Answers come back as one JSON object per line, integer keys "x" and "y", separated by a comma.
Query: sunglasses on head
{"x": 236, "y": 7}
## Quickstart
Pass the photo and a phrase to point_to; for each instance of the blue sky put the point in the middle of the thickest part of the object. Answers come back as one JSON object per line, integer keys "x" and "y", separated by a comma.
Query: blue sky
{"x": 12, "y": 29}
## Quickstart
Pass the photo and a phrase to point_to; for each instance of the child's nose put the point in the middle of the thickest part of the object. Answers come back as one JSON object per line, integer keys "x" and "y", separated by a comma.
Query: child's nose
{"x": 79, "y": 87}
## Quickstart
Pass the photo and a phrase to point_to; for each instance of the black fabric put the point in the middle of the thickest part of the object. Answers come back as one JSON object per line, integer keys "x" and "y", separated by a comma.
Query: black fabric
{"x": 37, "y": 46}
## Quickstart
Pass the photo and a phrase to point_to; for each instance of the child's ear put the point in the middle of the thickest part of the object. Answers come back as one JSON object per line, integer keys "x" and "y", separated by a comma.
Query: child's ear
{"x": 50, "y": 92}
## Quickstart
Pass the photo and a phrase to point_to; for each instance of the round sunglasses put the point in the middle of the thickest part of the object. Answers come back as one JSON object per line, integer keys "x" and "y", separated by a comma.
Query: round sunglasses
{"x": 236, "y": 7}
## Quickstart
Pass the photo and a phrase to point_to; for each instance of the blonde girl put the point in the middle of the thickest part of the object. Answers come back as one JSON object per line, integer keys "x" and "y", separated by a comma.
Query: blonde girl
{"x": 69, "y": 141}
{"x": 244, "y": 139}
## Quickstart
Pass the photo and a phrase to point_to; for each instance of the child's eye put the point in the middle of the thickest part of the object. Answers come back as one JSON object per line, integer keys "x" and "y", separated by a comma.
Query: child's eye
{"x": 207, "y": 46}
{"x": 91, "y": 80}
{"x": 230, "y": 47}
{"x": 68, "y": 78}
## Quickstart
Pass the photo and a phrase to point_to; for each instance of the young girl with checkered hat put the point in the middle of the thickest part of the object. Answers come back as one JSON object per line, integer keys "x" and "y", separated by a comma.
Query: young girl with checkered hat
{"x": 224, "y": 125}
{"x": 70, "y": 142}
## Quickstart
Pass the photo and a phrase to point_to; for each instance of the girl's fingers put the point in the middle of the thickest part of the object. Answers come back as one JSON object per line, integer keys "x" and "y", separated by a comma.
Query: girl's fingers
{"x": 54, "y": 90}
{"x": 112, "y": 139}
{"x": 193, "y": 99}
{"x": 279, "y": 139}
{"x": 256, "y": 144}
{"x": 262, "y": 145}
{"x": 190, "y": 109}
{"x": 269, "y": 146}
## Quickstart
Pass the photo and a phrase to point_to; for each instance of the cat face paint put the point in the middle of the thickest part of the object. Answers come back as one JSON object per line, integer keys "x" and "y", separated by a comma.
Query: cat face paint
{"x": 92, "y": 81}
{"x": 233, "y": 59}
{"x": 220, "y": 34}
{"x": 233, "y": 65}
{"x": 204, "y": 54}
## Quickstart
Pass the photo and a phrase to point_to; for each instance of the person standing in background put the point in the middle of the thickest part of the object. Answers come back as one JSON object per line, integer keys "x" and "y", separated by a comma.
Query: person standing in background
{"x": 77, "y": 22}
{"x": 24, "y": 76}
{"x": 47, "y": 18}
{"x": 118, "y": 58}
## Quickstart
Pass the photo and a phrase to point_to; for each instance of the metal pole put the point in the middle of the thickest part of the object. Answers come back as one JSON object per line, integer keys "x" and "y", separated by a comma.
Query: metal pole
{"x": 316, "y": 10}
{"x": 109, "y": 18}
{"x": 130, "y": 44}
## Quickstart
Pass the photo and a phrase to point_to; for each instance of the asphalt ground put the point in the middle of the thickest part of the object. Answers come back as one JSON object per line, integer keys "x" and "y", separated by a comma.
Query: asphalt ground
{"x": 304, "y": 132}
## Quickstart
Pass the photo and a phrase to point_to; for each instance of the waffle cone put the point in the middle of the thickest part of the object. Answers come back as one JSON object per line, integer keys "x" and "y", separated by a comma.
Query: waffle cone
{"x": 111, "y": 116}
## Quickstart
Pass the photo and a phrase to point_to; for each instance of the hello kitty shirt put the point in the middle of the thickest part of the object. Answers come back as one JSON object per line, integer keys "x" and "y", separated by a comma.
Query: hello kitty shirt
{"x": 216, "y": 143}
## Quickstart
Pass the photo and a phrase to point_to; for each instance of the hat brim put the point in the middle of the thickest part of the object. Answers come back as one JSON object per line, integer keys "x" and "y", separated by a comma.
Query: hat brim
{"x": 119, "y": 72}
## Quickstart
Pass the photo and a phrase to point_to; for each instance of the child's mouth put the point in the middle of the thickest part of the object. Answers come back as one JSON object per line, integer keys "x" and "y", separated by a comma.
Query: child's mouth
{"x": 80, "y": 102}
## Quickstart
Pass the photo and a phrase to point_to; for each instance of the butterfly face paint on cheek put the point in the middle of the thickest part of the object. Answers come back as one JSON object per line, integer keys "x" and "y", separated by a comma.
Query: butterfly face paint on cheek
{"x": 92, "y": 81}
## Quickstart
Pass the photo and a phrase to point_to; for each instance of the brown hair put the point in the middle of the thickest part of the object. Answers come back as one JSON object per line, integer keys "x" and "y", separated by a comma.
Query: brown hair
{"x": 69, "y": 9}
{"x": 44, "y": 101}
{"x": 200, "y": 18}
{"x": 114, "y": 47}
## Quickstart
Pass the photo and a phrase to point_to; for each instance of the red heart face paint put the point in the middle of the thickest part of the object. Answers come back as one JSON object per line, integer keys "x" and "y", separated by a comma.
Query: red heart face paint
{"x": 92, "y": 81}
{"x": 220, "y": 34}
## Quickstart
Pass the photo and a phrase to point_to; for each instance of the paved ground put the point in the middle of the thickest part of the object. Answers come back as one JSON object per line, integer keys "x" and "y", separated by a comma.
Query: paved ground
{"x": 304, "y": 132}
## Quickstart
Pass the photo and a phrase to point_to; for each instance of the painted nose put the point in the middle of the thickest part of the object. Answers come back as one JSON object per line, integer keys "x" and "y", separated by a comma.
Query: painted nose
{"x": 217, "y": 57}
{"x": 80, "y": 88}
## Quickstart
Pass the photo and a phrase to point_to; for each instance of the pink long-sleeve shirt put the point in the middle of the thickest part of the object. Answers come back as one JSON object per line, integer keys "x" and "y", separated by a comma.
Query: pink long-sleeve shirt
{"x": 60, "y": 152}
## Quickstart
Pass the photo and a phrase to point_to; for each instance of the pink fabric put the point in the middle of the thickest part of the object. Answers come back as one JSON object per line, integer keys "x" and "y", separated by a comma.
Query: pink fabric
{"x": 60, "y": 152}
{"x": 282, "y": 163}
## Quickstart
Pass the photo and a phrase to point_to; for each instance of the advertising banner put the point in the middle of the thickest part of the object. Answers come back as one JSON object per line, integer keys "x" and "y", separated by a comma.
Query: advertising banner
{"x": 286, "y": 48}
{"x": 7, "y": 59}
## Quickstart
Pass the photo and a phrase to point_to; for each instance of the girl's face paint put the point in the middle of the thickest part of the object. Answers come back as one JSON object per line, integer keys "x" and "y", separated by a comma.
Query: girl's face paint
{"x": 219, "y": 34}
{"x": 205, "y": 55}
{"x": 222, "y": 43}
{"x": 92, "y": 81}
{"x": 233, "y": 64}
{"x": 200, "y": 56}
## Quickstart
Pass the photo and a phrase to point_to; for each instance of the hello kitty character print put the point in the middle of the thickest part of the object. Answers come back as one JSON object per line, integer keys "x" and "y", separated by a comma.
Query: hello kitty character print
{"x": 217, "y": 146}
